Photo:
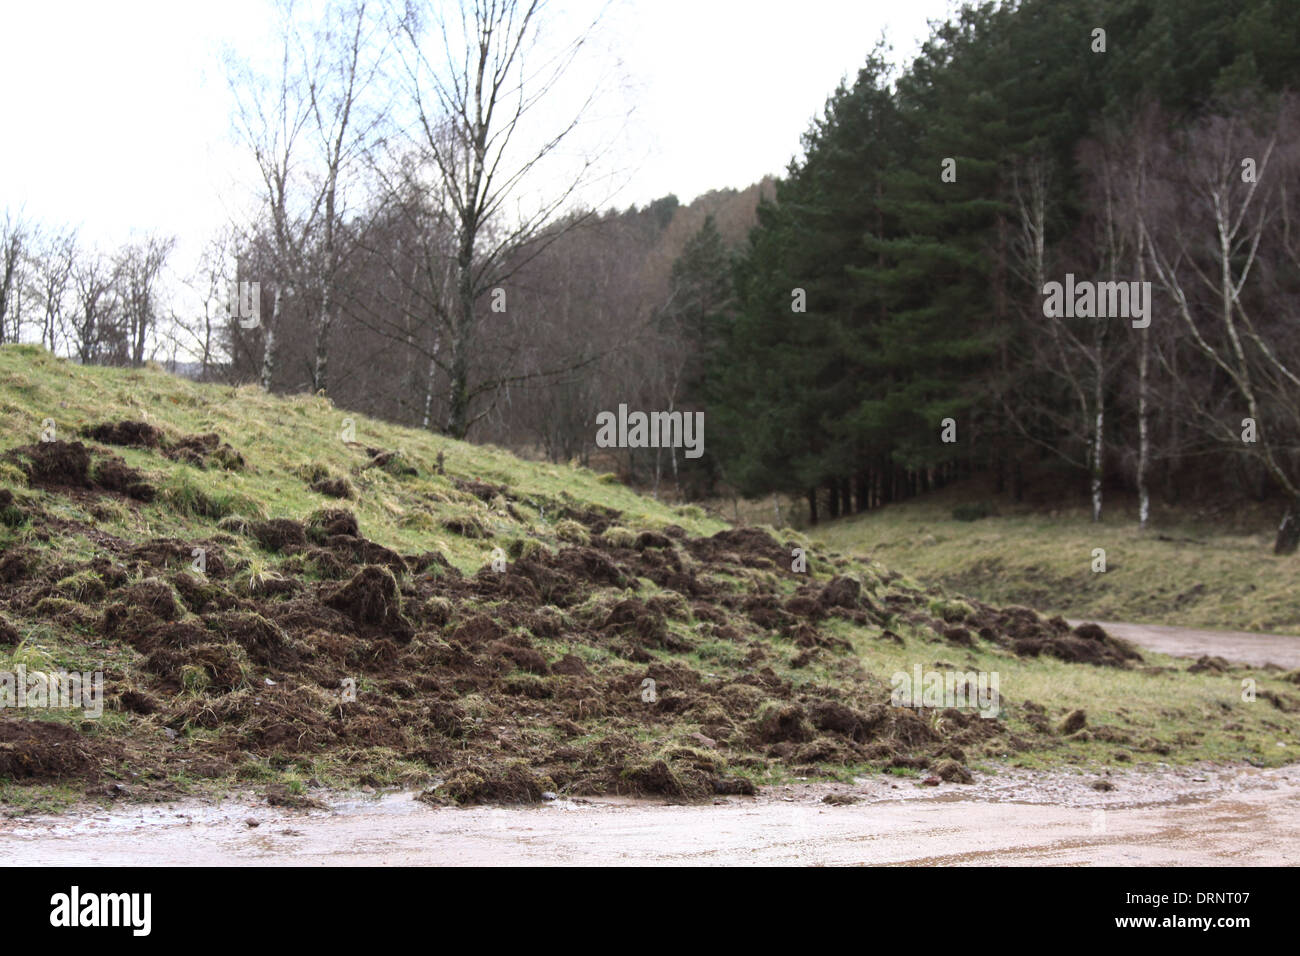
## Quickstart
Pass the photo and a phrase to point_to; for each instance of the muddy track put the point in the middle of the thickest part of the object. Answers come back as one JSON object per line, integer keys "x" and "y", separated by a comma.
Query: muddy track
{"x": 1184, "y": 816}
{"x": 1236, "y": 646}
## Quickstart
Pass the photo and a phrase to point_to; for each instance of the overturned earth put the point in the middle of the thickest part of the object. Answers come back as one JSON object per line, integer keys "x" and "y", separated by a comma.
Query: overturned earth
{"x": 620, "y": 661}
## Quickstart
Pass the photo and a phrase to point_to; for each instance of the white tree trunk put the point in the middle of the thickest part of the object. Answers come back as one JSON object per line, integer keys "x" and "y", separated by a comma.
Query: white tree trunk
{"x": 1098, "y": 444}
{"x": 268, "y": 347}
{"x": 1144, "y": 435}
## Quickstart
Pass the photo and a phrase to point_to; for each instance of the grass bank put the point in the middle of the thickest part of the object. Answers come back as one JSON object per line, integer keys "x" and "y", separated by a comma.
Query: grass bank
{"x": 1188, "y": 568}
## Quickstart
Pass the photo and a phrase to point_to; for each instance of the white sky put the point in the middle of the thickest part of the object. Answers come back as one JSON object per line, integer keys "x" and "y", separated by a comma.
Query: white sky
{"x": 116, "y": 115}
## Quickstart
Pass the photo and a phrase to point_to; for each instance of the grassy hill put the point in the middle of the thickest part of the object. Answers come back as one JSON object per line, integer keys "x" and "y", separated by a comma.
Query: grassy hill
{"x": 285, "y": 595}
{"x": 1190, "y": 568}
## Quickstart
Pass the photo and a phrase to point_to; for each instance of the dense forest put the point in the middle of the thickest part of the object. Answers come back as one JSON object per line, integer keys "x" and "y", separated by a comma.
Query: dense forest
{"x": 932, "y": 208}
{"x": 869, "y": 326}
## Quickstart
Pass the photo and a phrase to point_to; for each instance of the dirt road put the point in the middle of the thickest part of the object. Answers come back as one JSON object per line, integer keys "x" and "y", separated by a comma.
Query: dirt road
{"x": 1184, "y": 816}
{"x": 1242, "y": 646}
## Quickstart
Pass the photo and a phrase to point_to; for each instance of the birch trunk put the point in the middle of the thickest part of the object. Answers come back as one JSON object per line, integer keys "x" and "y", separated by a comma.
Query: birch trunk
{"x": 268, "y": 345}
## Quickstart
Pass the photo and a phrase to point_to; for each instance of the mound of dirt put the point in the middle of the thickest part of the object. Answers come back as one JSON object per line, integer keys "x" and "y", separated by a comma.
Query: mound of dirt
{"x": 349, "y": 549}
{"x": 333, "y": 487}
{"x": 840, "y": 592}
{"x": 1211, "y": 664}
{"x": 153, "y": 596}
{"x": 263, "y": 640}
{"x": 752, "y": 547}
{"x": 279, "y": 534}
{"x": 467, "y": 526}
{"x": 1021, "y": 629}
{"x": 482, "y": 490}
{"x": 564, "y": 673}
{"x": 112, "y": 474}
{"x": 129, "y": 433}
{"x": 63, "y": 465}
{"x": 1086, "y": 644}
{"x": 371, "y": 598}
{"x": 44, "y": 750}
{"x": 197, "y": 450}
{"x": 393, "y": 462}
{"x": 492, "y": 783}
{"x": 782, "y": 722}
{"x": 54, "y": 464}
{"x": 203, "y": 451}
{"x": 1074, "y": 721}
{"x": 329, "y": 522}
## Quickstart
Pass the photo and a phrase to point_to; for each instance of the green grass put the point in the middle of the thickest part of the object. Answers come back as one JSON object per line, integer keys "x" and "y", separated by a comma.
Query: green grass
{"x": 1204, "y": 713}
{"x": 1185, "y": 569}
{"x": 288, "y": 439}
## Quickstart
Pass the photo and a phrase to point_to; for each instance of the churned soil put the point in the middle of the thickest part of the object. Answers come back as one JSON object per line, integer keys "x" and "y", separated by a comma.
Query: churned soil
{"x": 653, "y": 663}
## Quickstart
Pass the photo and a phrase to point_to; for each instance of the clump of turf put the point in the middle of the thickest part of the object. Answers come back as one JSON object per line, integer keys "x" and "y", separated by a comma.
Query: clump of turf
{"x": 325, "y": 523}
{"x": 467, "y": 526}
{"x": 513, "y": 782}
{"x": 1074, "y": 721}
{"x": 372, "y": 597}
{"x": 394, "y": 463}
{"x": 571, "y": 531}
{"x": 521, "y": 548}
{"x": 616, "y": 536}
{"x": 11, "y": 516}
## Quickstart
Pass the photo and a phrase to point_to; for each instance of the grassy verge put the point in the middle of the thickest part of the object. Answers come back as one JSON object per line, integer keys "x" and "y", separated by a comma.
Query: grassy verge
{"x": 1186, "y": 569}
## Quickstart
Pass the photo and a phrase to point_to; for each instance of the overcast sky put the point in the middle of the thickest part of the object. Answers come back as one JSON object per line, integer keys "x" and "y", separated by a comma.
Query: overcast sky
{"x": 117, "y": 114}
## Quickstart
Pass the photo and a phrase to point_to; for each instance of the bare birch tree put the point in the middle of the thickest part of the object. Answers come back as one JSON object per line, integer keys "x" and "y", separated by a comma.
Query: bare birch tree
{"x": 342, "y": 67}
{"x": 53, "y": 263}
{"x": 139, "y": 267}
{"x": 271, "y": 114}
{"x": 476, "y": 88}
{"x": 1068, "y": 355}
{"x": 15, "y": 240}
{"x": 1210, "y": 238}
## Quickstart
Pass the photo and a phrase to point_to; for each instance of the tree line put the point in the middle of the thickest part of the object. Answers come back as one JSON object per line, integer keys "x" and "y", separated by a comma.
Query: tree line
{"x": 888, "y": 330}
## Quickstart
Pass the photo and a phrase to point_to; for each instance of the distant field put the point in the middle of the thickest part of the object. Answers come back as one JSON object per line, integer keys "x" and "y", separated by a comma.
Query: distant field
{"x": 1188, "y": 570}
